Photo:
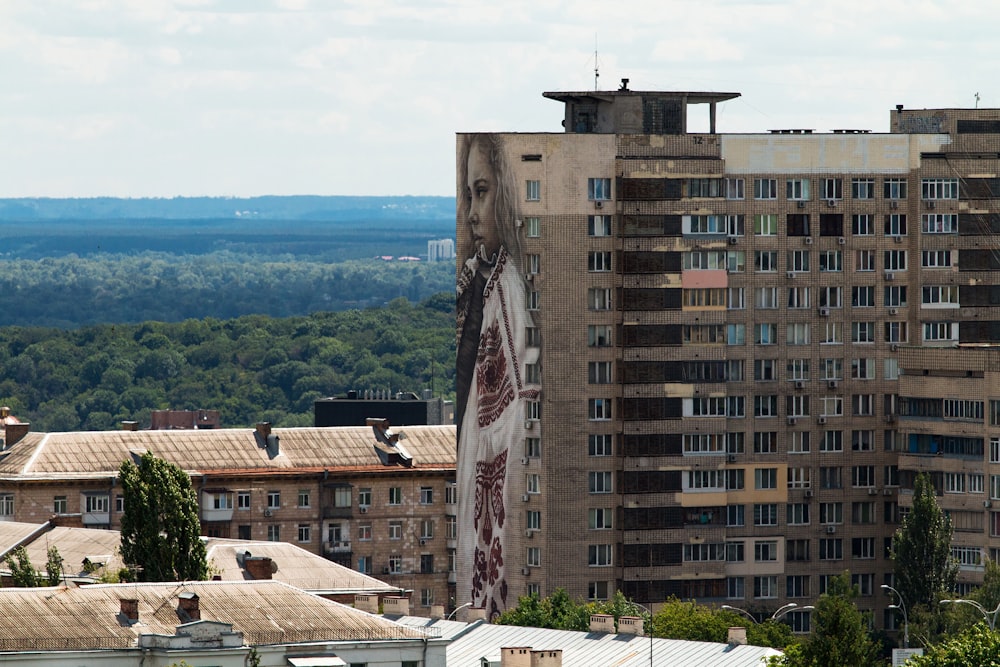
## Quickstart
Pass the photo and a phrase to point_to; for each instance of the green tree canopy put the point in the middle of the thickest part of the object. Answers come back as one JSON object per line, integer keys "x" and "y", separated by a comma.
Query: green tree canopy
{"x": 921, "y": 549}
{"x": 160, "y": 526}
{"x": 977, "y": 647}
{"x": 22, "y": 572}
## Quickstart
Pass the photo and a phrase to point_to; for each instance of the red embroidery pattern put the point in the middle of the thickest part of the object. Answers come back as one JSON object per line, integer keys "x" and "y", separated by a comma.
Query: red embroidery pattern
{"x": 487, "y": 571}
{"x": 493, "y": 384}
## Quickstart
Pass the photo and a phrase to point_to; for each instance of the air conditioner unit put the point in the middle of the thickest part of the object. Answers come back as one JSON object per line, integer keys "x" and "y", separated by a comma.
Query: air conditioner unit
{"x": 821, "y": 421}
{"x": 528, "y": 424}
{"x": 824, "y": 312}
{"x": 831, "y": 202}
{"x": 894, "y": 204}
{"x": 598, "y": 204}
{"x": 423, "y": 542}
{"x": 801, "y": 204}
{"x": 930, "y": 203}
{"x": 792, "y": 421}
{"x": 363, "y": 509}
{"x": 733, "y": 240}
{"x": 529, "y": 533}
{"x": 841, "y": 241}
{"x": 809, "y": 240}
{"x": 519, "y": 223}
{"x": 790, "y": 274}
{"x": 889, "y": 275}
{"x": 987, "y": 504}
{"x": 731, "y": 458}
{"x": 808, "y": 493}
{"x": 832, "y": 384}
{"x": 894, "y": 347}
{"x": 894, "y": 311}
{"x": 525, "y": 498}
{"x": 529, "y": 277}
{"x": 899, "y": 239}
{"x": 886, "y": 492}
{"x": 799, "y": 384}
{"x": 524, "y": 460}
{"x": 830, "y": 530}
{"x": 872, "y": 491}
{"x": 525, "y": 571}
{"x": 268, "y": 512}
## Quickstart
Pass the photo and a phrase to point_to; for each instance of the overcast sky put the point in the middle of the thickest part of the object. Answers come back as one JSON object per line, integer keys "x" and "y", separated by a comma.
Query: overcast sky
{"x": 137, "y": 98}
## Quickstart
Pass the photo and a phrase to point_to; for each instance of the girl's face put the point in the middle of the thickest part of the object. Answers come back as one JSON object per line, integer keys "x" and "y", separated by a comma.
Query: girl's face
{"x": 481, "y": 191}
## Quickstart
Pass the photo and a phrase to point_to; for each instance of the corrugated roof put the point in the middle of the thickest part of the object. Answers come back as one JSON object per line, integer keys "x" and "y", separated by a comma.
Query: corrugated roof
{"x": 87, "y": 454}
{"x": 266, "y": 612}
{"x": 483, "y": 640}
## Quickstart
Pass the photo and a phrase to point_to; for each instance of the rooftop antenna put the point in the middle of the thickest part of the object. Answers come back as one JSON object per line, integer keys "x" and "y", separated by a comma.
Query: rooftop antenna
{"x": 597, "y": 73}
{"x": 977, "y": 100}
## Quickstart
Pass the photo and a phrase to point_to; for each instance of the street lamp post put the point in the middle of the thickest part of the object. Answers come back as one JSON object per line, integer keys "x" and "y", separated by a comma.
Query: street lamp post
{"x": 650, "y": 612}
{"x": 902, "y": 606}
{"x": 778, "y": 613}
{"x": 990, "y": 616}
{"x": 467, "y": 604}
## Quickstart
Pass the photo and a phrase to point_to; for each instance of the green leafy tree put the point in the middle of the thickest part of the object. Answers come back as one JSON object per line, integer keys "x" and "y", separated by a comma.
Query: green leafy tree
{"x": 840, "y": 636}
{"x": 160, "y": 530}
{"x": 921, "y": 549}
{"x": 975, "y": 647}
{"x": 22, "y": 572}
{"x": 54, "y": 566}
{"x": 695, "y": 622}
{"x": 557, "y": 611}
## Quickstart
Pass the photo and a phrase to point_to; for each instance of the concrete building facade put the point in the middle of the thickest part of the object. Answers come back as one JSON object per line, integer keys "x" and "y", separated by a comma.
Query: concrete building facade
{"x": 705, "y": 395}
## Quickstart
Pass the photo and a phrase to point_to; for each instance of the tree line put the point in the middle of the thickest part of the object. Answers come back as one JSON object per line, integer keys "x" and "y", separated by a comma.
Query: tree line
{"x": 249, "y": 368}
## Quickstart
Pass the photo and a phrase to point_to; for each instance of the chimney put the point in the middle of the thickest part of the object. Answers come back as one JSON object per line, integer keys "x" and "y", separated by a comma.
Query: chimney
{"x": 737, "y": 636}
{"x": 187, "y": 605}
{"x": 547, "y": 658}
{"x": 130, "y": 610}
{"x": 259, "y": 567}
{"x": 264, "y": 429}
{"x": 602, "y": 623}
{"x": 475, "y": 614}
{"x": 396, "y": 606}
{"x": 130, "y": 426}
{"x": 515, "y": 656}
{"x": 437, "y": 611}
{"x": 630, "y": 625}
{"x": 367, "y": 603}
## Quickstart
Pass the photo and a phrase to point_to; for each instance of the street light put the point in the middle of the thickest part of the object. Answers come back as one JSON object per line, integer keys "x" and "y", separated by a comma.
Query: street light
{"x": 467, "y": 604}
{"x": 902, "y": 606}
{"x": 990, "y": 616}
{"x": 650, "y": 612}
{"x": 779, "y": 612}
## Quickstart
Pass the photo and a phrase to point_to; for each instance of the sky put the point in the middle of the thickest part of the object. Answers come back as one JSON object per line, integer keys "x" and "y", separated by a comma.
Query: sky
{"x": 166, "y": 98}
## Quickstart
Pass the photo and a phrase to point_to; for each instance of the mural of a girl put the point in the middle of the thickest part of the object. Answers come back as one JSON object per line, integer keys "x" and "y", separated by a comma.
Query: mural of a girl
{"x": 490, "y": 383}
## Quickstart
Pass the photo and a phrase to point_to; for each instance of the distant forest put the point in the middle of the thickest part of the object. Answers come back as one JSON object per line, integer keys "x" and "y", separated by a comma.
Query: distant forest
{"x": 76, "y": 262}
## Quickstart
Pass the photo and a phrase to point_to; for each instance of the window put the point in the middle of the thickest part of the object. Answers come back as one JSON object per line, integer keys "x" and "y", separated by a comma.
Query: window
{"x": 798, "y": 334}
{"x": 765, "y": 188}
{"x": 304, "y": 497}
{"x": 365, "y": 564}
{"x": 939, "y": 223}
{"x": 895, "y": 224}
{"x": 895, "y": 296}
{"x": 766, "y": 297}
{"x": 864, "y": 260}
{"x": 797, "y": 514}
{"x": 797, "y": 224}
{"x": 533, "y": 373}
{"x": 426, "y": 495}
{"x": 704, "y": 224}
{"x": 426, "y": 529}
{"x": 862, "y": 188}
{"x": 735, "y": 442}
{"x": 341, "y": 496}
{"x": 765, "y": 225}
{"x": 765, "y": 478}
{"x": 599, "y": 444}
{"x": 533, "y": 191}
{"x": 863, "y": 441}
{"x": 598, "y": 189}
{"x": 863, "y": 513}
{"x": 863, "y": 297}
{"x": 735, "y": 515}
{"x": 832, "y": 441}
{"x": 765, "y": 514}
{"x": 273, "y": 500}
{"x": 365, "y": 531}
{"x": 533, "y": 483}
{"x": 765, "y": 334}
{"x": 59, "y": 505}
{"x": 364, "y": 497}
{"x": 939, "y": 295}
{"x": 954, "y": 482}
{"x": 765, "y": 552}
{"x": 833, "y": 188}
{"x": 304, "y": 533}
{"x": 734, "y": 479}
{"x": 532, "y": 449}
{"x": 799, "y": 442}
{"x": 396, "y": 495}
{"x": 797, "y": 586}
{"x": 831, "y": 261}
{"x": 831, "y": 549}
{"x": 765, "y": 442}
{"x": 765, "y": 261}
{"x": 599, "y": 555}
{"x": 797, "y": 189}
{"x": 735, "y": 588}
{"x": 597, "y": 590}
{"x": 765, "y": 370}
{"x": 831, "y": 297}
{"x": 862, "y": 332}
{"x": 706, "y": 480}
{"x": 863, "y": 369}
{"x": 935, "y": 259}
{"x": 797, "y": 369}
{"x": 274, "y": 533}
{"x": 599, "y": 409}
{"x": 735, "y": 552}
{"x": 798, "y": 261}
{"x": 894, "y": 188}
{"x": 939, "y": 188}
{"x": 735, "y": 225}
{"x": 426, "y": 600}
{"x": 599, "y": 482}
{"x": 797, "y": 405}
{"x": 735, "y": 188}
{"x": 222, "y": 501}
{"x": 832, "y": 368}
{"x": 704, "y": 187}
{"x": 395, "y": 530}
{"x": 534, "y": 264}
{"x": 598, "y": 225}
{"x": 862, "y": 225}
{"x": 938, "y": 331}
{"x": 765, "y": 587}
{"x": 533, "y": 228}
{"x": 599, "y": 372}
{"x": 534, "y": 557}
{"x": 832, "y": 406}
{"x": 894, "y": 260}
{"x": 531, "y": 299}
{"x": 598, "y": 335}
{"x": 243, "y": 500}
{"x": 598, "y": 298}
{"x": 599, "y": 518}
{"x": 796, "y": 550}
{"x": 395, "y": 564}
{"x": 599, "y": 262}
{"x": 734, "y": 298}
{"x": 862, "y": 476}
{"x": 831, "y": 224}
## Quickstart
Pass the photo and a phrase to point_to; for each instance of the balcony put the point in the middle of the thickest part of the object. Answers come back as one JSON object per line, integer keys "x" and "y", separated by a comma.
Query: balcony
{"x": 344, "y": 546}
{"x": 332, "y": 512}
{"x": 217, "y": 514}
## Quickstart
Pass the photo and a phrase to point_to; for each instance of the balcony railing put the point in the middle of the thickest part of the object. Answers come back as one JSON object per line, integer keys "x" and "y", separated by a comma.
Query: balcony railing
{"x": 344, "y": 546}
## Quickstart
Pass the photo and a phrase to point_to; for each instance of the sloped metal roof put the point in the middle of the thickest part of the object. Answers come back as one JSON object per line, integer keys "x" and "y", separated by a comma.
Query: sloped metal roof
{"x": 88, "y": 454}
{"x": 266, "y": 612}
{"x": 483, "y": 640}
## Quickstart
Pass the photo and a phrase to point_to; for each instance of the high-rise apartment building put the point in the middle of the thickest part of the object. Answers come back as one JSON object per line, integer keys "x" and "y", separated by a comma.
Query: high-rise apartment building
{"x": 678, "y": 364}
